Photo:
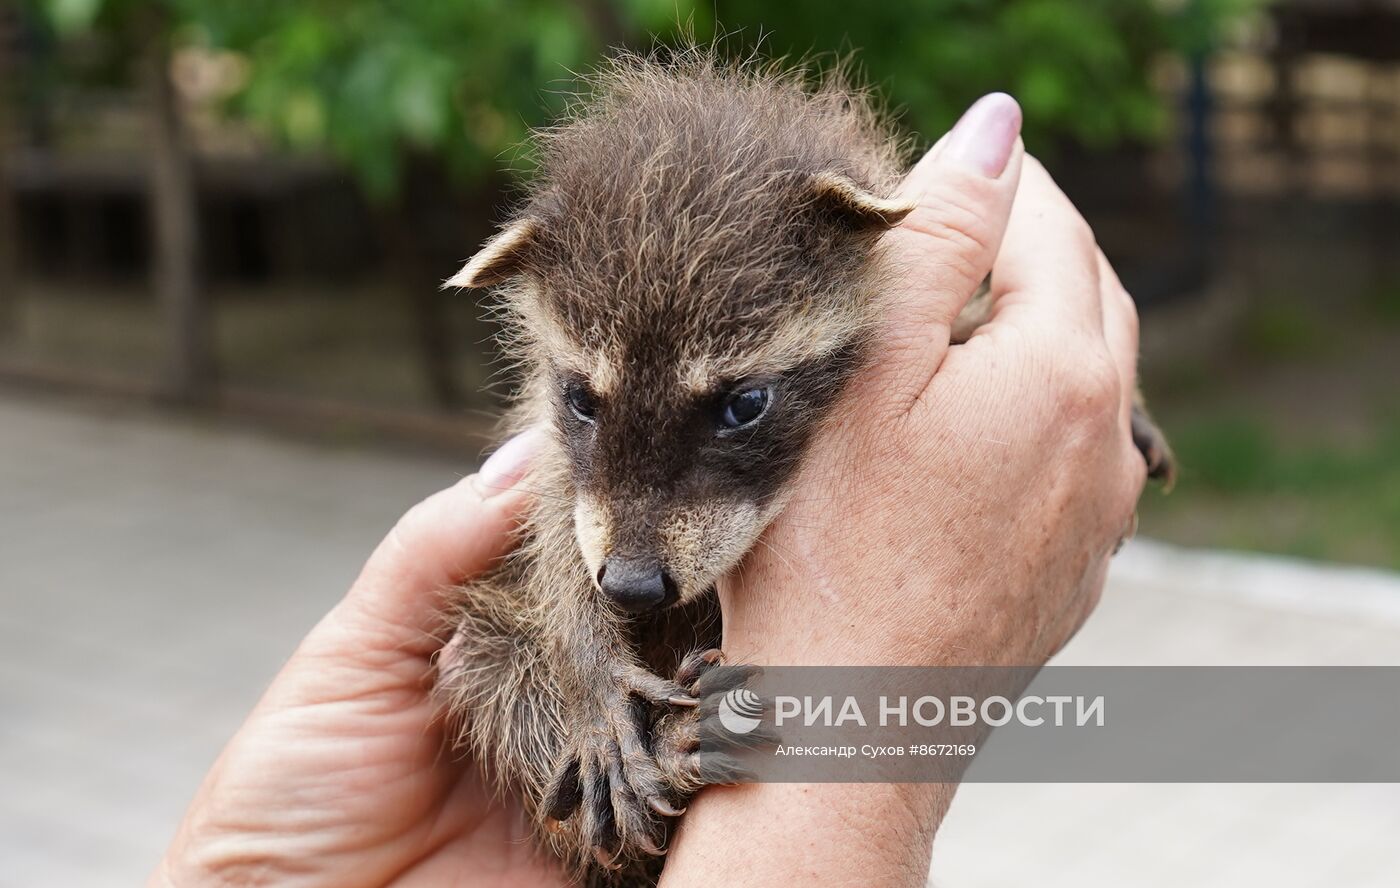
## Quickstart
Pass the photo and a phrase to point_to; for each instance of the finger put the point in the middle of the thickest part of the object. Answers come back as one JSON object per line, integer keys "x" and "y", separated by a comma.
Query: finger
{"x": 1121, "y": 335}
{"x": 1046, "y": 274}
{"x": 450, "y": 536}
{"x": 963, "y": 191}
{"x": 1120, "y": 329}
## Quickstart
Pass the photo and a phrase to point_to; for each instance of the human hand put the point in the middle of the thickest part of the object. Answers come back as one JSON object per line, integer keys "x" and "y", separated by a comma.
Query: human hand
{"x": 960, "y": 509}
{"x": 339, "y": 777}
{"x": 977, "y": 490}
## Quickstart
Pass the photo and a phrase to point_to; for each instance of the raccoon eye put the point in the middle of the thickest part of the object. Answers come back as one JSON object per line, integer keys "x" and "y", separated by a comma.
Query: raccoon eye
{"x": 745, "y": 407}
{"x": 581, "y": 402}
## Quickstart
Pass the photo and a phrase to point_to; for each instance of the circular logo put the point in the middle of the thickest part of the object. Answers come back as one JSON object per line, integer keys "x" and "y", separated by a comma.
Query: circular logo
{"x": 740, "y": 711}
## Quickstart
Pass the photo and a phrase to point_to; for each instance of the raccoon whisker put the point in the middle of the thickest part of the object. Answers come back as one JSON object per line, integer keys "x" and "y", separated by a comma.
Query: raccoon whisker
{"x": 815, "y": 499}
{"x": 979, "y": 438}
{"x": 801, "y": 525}
{"x": 778, "y": 553}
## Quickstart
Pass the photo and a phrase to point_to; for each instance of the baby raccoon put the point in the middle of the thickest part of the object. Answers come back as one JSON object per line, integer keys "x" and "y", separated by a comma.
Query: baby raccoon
{"x": 690, "y": 284}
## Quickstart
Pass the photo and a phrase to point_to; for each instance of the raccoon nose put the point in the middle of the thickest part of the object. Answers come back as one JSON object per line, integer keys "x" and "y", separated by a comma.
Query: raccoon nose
{"x": 636, "y": 585}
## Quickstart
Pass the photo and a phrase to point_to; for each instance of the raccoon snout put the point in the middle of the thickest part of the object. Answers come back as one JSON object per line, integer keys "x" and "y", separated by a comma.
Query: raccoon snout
{"x": 636, "y": 585}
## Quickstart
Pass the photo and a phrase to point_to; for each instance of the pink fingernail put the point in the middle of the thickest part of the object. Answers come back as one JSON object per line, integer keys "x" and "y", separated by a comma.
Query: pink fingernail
{"x": 507, "y": 464}
{"x": 984, "y": 136}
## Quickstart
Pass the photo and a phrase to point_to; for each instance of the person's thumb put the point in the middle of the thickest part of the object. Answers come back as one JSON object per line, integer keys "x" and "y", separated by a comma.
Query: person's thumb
{"x": 447, "y": 538}
{"x": 963, "y": 189}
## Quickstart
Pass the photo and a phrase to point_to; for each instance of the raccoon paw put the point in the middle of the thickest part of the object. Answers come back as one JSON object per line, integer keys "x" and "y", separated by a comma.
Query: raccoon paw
{"x": 692, "y": 746}
{"x": 609, "y": 777}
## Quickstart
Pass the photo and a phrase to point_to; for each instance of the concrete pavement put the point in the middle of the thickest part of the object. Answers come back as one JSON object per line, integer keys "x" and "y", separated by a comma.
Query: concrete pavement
{"x": 155, "y": 572}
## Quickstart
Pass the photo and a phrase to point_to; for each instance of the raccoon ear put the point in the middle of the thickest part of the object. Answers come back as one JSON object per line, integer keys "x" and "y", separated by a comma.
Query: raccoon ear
{"x": 500, "y": 258}
{"x": 842, "y": 195}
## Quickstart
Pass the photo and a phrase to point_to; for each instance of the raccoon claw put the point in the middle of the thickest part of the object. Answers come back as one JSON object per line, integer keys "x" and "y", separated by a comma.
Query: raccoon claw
{"x": 609, "y": 795}
{"x": 649, "y": 847}
{"x": 692, "y": 749}
{"x": 606, "y": 859}
{"x": 696, "y": 665}
{"x": 616, "y": 823}
{"x": 654, "y": 689}
{"x": 624, "y": 767}
{"x": 664, "y": 808}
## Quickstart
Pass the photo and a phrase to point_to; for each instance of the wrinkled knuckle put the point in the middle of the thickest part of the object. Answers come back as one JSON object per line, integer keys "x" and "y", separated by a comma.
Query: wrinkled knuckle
{"x": 1121, "y": 494}
{"x": 1136, "y": 478}
{"x": 960, "y": 229}
{"x": 1082, "y": 236}
{"x": 1137, "y": 465}
{"x": 1089, "y": 390}
{"x": 1130, "y": 312}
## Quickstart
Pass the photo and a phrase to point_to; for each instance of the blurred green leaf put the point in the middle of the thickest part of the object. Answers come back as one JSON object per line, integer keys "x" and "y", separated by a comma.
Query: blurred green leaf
{"x": 1229, "y": 454}
{"x": 462, "y": 81}
{"x": 69, "y": 16}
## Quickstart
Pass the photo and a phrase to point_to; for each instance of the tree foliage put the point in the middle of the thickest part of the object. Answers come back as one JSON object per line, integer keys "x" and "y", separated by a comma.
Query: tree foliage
{"x": 372, "y": 82}
{"x": 462, "y": 80}
{"x": 1080, "y": 68}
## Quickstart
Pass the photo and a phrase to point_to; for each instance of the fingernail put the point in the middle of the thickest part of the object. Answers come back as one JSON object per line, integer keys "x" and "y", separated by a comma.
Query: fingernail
{"x": 507, "y": 464}
{"x": 984, "y": 136}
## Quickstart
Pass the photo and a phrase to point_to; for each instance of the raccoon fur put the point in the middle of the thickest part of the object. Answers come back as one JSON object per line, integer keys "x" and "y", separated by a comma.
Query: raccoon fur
{"x": 692, "y": 280}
